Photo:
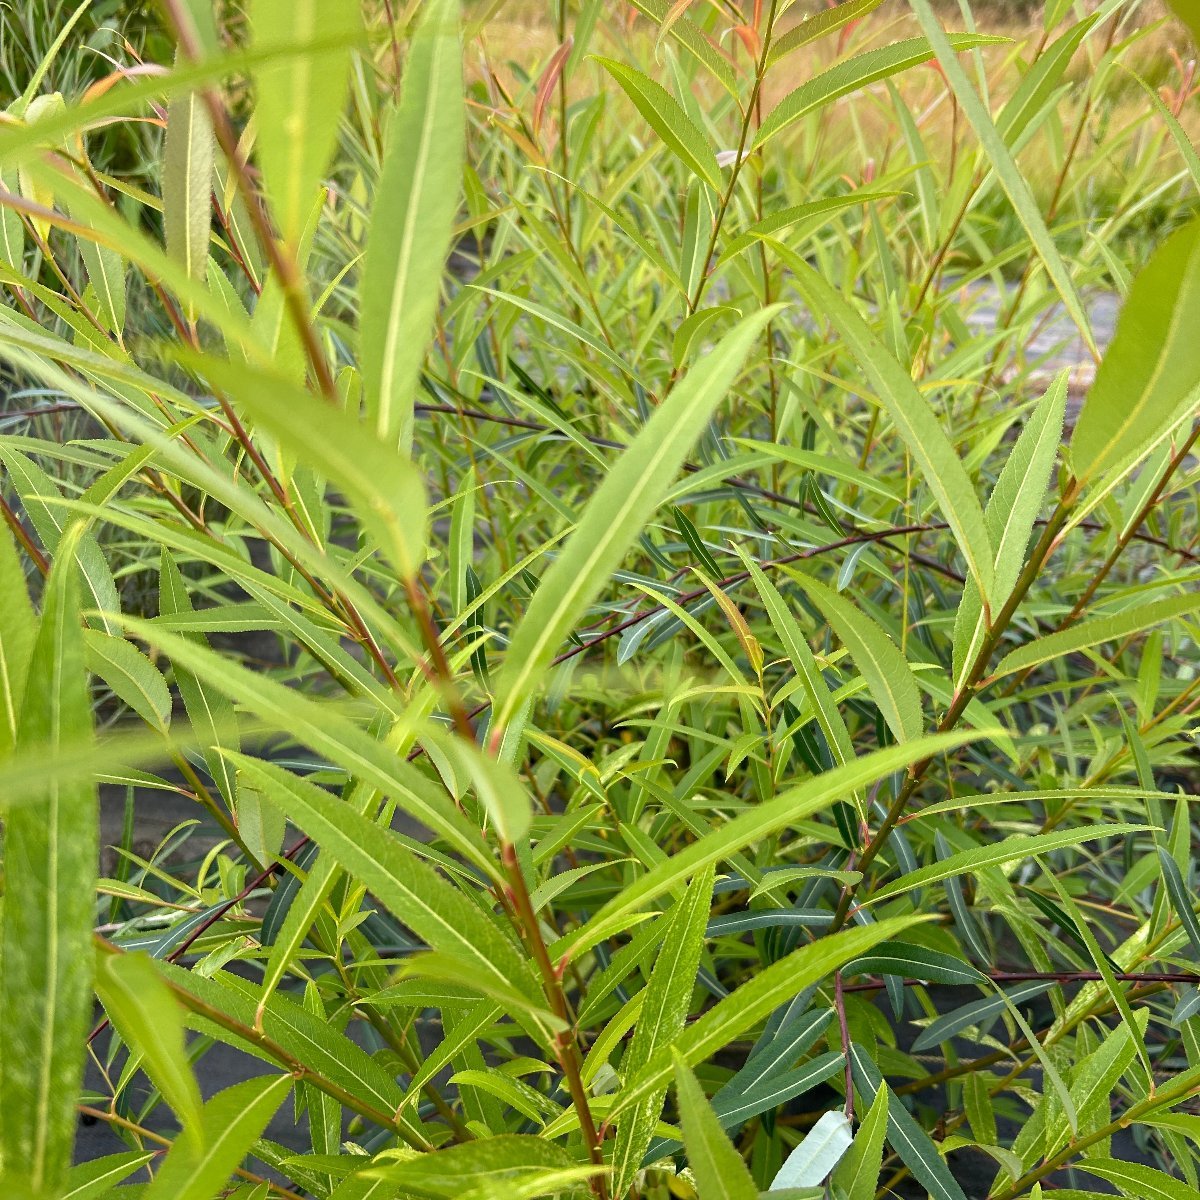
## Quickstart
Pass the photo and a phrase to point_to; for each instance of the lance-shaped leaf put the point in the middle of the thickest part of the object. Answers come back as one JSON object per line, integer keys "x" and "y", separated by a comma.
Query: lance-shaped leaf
{"x": 665, "y": 115}
{"x": 668, "y": 991}
{"x": 889, "y": 677}
{"x": 853, "y": 74}
{"x": 232, "y": 1121}
{"x": 150, "y": 1021}
{"x": 430, "y": 906}
{"x": 381, "y": 483}
{"x": 718, "y": 1168}
{"x": 906, "y": 1137}
{"x": 209, "y": 711}
{"x": 857, "y": 1175}
{"x": 17, "y": 633}
{"x": 1150, "y": 375}
{"x": 914, "y": 420}
{"x": 1015, "y": 185}
{"x": 820, "y": 1151}
{"x": 299, "y": 103}
{"x": 1011, "y": 511}
{"x": 412, "y": 222}
{"x": 50, "y": 854}
{"x": 1096, "y": 632}
{"x": 630, "y": 493}
{"x": 754, "y": 1001}
{"x": 188, "y": 158}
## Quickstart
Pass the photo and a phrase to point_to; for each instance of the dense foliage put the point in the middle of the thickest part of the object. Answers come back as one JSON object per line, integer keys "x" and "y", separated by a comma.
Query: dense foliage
{"x": 671, "y": 610}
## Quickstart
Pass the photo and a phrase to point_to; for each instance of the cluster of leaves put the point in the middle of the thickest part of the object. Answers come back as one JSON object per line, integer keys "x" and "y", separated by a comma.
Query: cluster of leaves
{"x": 675, "y": 703}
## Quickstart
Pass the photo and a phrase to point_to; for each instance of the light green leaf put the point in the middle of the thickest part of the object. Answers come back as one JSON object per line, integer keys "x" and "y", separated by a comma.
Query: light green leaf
{"x": 432, "y": 908}
{"x": 379, "y": 480}
{"x": 718, "y": 1168}
{"x": 131, "y": 675}
{"x": 50, "y": 856}
{"x": 754, "y": 1000}
{"x": 18, "y": 631}
{"x": 915, "y": 421}
{"x": 411, "y": 225}
{"x": 150, "y": 1021}
{"x": 1096, "y": 632}
{"x": 630, "y": 493}
{"x": 759, "y": 822}
{"x": 906, "y": 1137}
{"x": 209, "y": 710}
{"x": 667, "y": 118}
{"x": 1150, "y": 375}
{"x": 320, "y": 726}
{"x": 1136, "y": 1179}
{"x": 1011, "y": 511}
{"x": 889, "y": 677}
{"x": 1011, "y": 179}
{"x": 1008, "y": 850}
{"x": 232, "y": 1120}
{"x": 189, "y": 153}
{"x": 820, "y": 24}
{"x": 851, "y": 75}
{"x": 664, "y": 1010}
{"x": 814, "y": 1158}
{"x": 299, "y": 103}
{"x": 857, "y": 1175}
{"x": 93, "y": 1180}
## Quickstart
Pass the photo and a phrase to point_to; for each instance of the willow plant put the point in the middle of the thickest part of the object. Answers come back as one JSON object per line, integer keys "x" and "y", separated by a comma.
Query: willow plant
{"x": 677, "y": 699}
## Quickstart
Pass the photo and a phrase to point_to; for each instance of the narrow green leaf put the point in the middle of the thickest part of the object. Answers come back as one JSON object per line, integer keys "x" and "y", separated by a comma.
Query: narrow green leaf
{"x": 232, "y": 1120}
{"x": 668, "y": 993}
{"x": 1136, "y": 1179}
{"x": 857, "y": 1175}
{"x": 1008, "y": 850}
{"x": 209, "y": 711}
{"x": 94, "y": 1180}
{"x": 131, "y": 675}
{"x": 820, "y": 24}
{"x": 299, "y": 104}
{"x": 915, "y": 421}
{"x": 188, "y": 158}
{"x": 1011, "y": 512}
{"x": 410, "y": 231}
{"x": 382, "y": 484}
{"x": 18, "y": 631}
{"x": 150, "y": 1021}
{"x": 50, "y": 856}
{"x": 667, "y": 118}
{"x": 718, "y": 1168}
{"x": 754, "y": 1001}
{"x": 1011, "y": 179}
{"x": 760, "y": 822}
{"x": 889, "y": 677}
{"x": 630, "y": 493}
{"x": 432, "y": 908}
{"x": 1150, "y": 375}
{"x": 906, "y": 1137}
{"x": 1096, "y": 632}
{"x": 853, "y": 74}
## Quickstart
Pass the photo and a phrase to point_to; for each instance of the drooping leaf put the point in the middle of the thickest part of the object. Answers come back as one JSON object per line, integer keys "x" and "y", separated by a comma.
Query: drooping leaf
{"x": 150, "y": 1021}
